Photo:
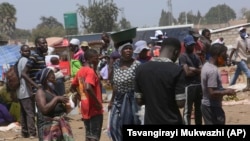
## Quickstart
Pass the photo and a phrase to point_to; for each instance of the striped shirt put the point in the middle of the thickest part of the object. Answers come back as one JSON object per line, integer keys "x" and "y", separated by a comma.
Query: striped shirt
{"x": 36, "y": 63}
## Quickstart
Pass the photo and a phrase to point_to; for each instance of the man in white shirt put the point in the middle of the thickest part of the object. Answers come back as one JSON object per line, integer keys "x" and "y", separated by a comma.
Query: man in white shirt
{"x": 239, "y": 55}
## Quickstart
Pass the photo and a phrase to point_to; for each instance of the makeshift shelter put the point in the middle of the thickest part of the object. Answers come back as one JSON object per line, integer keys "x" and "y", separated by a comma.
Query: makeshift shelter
{"x": 9, "y": 54}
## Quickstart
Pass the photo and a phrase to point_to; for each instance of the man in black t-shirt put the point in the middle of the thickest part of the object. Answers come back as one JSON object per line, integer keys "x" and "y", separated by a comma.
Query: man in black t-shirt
{"x": 191, "y": 64}
{"x": 160, "y": 85}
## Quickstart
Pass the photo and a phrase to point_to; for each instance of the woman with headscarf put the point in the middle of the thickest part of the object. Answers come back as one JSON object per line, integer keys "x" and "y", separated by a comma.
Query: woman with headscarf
{"x": 123, "y": 105}
{"x": 51, "y": 123}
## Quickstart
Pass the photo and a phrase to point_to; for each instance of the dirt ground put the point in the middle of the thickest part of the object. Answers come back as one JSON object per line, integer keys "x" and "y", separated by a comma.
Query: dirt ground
{"x": 237, "y": 113}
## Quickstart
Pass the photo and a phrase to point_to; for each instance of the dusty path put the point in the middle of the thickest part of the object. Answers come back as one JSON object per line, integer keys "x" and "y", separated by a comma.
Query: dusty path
{"x": 237, "y": 113}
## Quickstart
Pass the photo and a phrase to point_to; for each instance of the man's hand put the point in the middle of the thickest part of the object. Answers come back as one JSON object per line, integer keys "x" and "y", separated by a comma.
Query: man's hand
{"x": 230, "y": 91}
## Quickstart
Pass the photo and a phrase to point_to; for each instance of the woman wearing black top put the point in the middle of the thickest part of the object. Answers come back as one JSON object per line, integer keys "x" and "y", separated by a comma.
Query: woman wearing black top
{"x": 51, "y": 123}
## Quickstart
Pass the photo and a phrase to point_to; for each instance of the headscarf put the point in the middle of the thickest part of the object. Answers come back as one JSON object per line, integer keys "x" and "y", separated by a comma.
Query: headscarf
{"x": 122, "y": 46}
{"x": 42, "y": 75}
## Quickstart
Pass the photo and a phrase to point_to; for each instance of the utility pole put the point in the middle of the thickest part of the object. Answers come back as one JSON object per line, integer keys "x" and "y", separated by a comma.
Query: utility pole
{"x": 170, "y": 18}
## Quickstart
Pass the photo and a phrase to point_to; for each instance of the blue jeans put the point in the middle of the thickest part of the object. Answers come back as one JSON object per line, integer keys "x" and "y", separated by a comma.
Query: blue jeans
{"x": 241, "y": 66}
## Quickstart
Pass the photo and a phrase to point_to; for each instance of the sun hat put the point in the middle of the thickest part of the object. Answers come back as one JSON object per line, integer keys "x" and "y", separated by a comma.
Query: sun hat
{"x": 157, "y": 33}
{"x": 84, "y": 44}
{"x": 140, "y": 45}
{"x": 74, "y": 41}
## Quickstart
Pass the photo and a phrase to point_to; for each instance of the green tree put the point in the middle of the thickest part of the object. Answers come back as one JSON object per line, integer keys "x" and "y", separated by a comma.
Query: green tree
{"x": 165, "y": 19}
{"x": 189, "y": 17}
{"x": 245, "y": 14}
{"x": 124, "y": 23}
{"x": 199, "y": 17}
{"x": 21, "y": 34}
{"x": 7, "y": 18}
{"x": 50, "y": 22}
{"x": 220, "y": 14}
{"x": 182, "y": 18}
{"x": 99, "y": 16}
{"x": 48, "y": 27}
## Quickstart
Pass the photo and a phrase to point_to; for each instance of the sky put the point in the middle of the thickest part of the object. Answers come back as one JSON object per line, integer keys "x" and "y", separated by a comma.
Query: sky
{"x": 139, "y": 12}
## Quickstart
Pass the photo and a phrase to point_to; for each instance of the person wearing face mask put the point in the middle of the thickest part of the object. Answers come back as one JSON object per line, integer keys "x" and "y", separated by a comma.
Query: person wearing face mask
{"x": 239, "y": 56}
{"x": 141, "y": 51}
{"x": 191, "y": 64}
{"x": 122, "y": 104}
{"x": 213, "y": 91}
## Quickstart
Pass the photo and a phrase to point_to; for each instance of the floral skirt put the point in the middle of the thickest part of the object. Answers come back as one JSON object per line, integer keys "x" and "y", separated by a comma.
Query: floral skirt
{"x": 55, "y": 129}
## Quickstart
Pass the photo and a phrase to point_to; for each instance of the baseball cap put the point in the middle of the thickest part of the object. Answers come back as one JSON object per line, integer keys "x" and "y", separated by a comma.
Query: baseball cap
{"x": 85, "y": 44}
{"x": 194, "y": 32}
{"x": 189, "y": 40}
{"x": 241, "y": 28}
{"x": 158, "y": 32}
{"x": 74, "y": 41}
{"x": 140, "y": 45}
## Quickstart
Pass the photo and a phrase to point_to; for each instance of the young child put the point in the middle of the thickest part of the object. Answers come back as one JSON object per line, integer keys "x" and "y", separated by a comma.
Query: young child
{"x": 54, "y": 65}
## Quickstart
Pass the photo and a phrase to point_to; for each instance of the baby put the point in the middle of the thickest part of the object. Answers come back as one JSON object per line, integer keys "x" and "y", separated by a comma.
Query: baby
{"x": 60, "y": 79}
{"x": 54, "y": 65}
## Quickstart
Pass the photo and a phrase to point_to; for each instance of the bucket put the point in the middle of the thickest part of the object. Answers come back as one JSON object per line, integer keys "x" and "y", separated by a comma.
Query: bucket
{"x": 224, "y": 77}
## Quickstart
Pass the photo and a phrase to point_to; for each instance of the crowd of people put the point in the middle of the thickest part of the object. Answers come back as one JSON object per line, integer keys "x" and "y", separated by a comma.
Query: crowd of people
{"x": 163, "y": 76}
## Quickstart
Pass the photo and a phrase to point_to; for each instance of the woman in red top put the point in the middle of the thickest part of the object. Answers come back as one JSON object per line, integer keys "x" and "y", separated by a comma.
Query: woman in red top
{"x": 88, "y": 84}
